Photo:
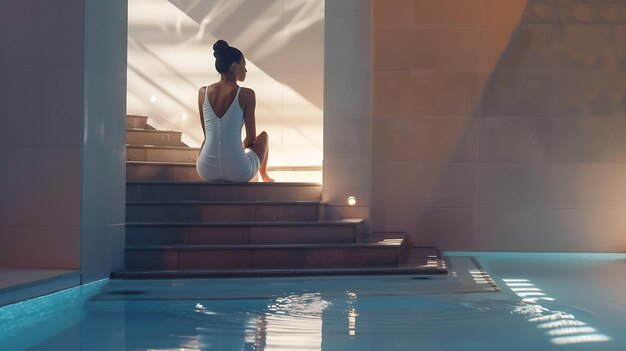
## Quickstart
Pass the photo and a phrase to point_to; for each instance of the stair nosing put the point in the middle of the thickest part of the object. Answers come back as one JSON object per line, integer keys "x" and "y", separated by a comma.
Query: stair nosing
{"x": 201, "y": 183}
{"x": 246, "y": 224}
{"x": 152, "y": 130}
{"x": 265, "y": 246}
{"x": 238, "y": 202}
{"x": 264, "y": 272}
{"x": 168, "y": 147}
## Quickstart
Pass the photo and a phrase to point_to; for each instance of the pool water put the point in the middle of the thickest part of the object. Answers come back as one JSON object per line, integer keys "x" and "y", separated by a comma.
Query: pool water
{"x": 488, "y": 301}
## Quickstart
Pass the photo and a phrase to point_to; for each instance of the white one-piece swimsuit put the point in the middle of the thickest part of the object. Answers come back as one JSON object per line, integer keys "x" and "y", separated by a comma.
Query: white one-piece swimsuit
{"x": 223, "y": 157}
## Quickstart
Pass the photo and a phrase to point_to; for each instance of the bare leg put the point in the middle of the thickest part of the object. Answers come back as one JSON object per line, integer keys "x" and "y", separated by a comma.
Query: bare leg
{"x": 260, "y": 146}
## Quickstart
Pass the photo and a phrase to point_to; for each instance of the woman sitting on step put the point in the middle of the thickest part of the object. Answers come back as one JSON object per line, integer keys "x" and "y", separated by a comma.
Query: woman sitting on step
{"x": 224, "y": 108}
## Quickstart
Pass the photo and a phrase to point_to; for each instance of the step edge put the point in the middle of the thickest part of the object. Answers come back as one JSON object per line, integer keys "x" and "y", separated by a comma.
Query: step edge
{"x": 235, "y": 273}
{"x": 237, "y": 202}
{"x": 343, "y": 223}
{"x": 200, "y": 183}
{"x": 265, "y": 247}
{"x": 152, "y": 130}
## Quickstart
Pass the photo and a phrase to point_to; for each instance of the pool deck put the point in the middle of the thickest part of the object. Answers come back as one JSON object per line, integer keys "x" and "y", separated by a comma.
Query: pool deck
{"x": 18, "y": 284}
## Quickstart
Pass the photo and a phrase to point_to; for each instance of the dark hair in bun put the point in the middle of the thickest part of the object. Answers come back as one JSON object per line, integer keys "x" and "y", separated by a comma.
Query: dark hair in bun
{"x": 225, "y": 55}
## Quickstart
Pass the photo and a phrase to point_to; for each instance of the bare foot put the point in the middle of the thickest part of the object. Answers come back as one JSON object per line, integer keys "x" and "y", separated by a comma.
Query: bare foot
{"x": 267, "y": 179}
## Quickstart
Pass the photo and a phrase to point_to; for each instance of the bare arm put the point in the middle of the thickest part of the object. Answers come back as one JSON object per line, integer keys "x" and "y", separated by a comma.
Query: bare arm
{"x": 201, "y": 93}
{"x": 249, "y": 104}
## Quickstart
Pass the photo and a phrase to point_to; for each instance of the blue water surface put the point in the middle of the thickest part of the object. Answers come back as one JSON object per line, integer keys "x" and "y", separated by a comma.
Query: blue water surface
{"x": 544, "y": 302}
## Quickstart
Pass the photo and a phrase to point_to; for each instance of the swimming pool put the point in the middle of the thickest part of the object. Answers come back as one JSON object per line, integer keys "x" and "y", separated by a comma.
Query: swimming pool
{"x": 489, "y": 301}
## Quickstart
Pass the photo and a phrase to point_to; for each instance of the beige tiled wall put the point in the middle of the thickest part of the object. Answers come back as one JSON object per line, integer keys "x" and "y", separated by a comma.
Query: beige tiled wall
{"x": 40, "y": 133}
{"x": 500, "y": 124}
{"x": 347, "y": 166}
{"x": 62, "y": 124}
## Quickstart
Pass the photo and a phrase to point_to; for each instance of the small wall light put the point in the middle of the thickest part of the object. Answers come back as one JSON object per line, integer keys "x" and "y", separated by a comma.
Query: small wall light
{"x": 351, "y": 200}
{"x": 183, "y": 115}
{"x": 153, "y": 98}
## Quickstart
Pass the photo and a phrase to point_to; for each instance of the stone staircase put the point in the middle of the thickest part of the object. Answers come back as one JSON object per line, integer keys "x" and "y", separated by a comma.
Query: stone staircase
{"x": 178, "y": 226}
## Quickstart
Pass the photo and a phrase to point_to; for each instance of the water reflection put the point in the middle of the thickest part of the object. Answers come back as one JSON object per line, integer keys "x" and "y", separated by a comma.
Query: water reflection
{"x": 563, "y": 327}
{"x": 290, "y": 322}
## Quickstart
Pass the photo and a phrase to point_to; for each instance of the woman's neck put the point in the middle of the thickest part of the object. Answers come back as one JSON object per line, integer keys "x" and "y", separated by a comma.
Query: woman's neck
{"x": 228, "y": 79}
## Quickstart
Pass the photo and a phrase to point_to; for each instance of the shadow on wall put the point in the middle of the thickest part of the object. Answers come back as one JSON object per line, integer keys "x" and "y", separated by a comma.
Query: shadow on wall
{"x": 170, "y": 56}
{"x": 542, "y": 143}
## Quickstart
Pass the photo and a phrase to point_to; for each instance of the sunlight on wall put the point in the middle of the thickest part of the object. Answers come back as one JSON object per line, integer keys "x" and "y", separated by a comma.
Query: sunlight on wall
{"x": 170, "y": 56}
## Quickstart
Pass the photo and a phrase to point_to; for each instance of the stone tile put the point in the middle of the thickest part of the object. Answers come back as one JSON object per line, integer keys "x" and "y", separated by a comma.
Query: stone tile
{"x": 446, "y": 48}
{"x": 347, "y": 137}
{"x": 56, "y": 47}
{"x": 102, "y": 250}
{"x": 425, "y": 139}
{"x": 149, "y": 172}
{"x": 171, "y": 155}
{"x": 26, "y": 93}
{"x": 595, "y": 139}
{"x": 40, "y": 186}
{"x": 153, "y": 259}
{"x": 347, "y": 41}
{"x": 295, "y": 258}
{"x": 392, "y": 13}
{"x": 494, "y": 42}
{"x": 521, "y": 94}
{"x": 305, "y": 234}
{"x": 392, "y": 94}
{"x": 515, "y": 184}
{"x": 515, "y": 139}
{"x": 186, "y": 174}
{"x": 456, "y": 12}
{"x": 590, "y": 230}
{"x": 591, "y": 185}
{"x": 347, "y": 177}
{"x": 516, "y": 229}
{"x": 445, "y": 94}
{"x": 541, "y": 12}
{"x": 394, "y": 184}
{"x": 135, "y": 154}
{"x": 447, "y": 228}
{"x": 306, "y": 213}
{"x": 204, "y": 259}
{"x": 503, "y": 13}
{"x": 591, "y": 12}
{"x": 40, "y": 246}
{"x": 346, "y": 90}
{"x": 156, "y": 235}
{"x": 444, "y": 185}
{"x": 390, "y": 49}
{"x": 218, "y": 235}
{"x": 589, "y": 94}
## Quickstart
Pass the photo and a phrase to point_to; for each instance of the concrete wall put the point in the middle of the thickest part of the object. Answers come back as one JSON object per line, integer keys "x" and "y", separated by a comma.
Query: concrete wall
{"x": 500, "y": 124}
{"x": 104, "y": 138}
{"x": 347, "y": 163}
{"x": 61, "y": 134}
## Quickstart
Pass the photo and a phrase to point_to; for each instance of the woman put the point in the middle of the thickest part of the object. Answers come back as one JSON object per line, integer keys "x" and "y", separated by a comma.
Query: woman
{"x": 224, "y": 108}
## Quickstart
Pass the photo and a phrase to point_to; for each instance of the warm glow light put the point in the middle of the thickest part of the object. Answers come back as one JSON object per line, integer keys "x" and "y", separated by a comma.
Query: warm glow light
{"x": 153, "y": 98}
{"x": 183, "y": 115}
{"x": 351, "y": 200}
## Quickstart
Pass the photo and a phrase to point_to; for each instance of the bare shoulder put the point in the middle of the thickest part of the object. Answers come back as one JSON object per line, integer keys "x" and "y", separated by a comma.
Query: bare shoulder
{"x": 246, "y": 96}
{"x": 247, "y": 93}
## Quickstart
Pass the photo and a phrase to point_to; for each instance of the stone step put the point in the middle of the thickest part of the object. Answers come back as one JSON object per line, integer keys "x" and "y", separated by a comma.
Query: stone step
{"x": 202, "y": 191}
{"x": 202, "y": 257}
{"x": 136, "y": 122}
{"x": 155, "y": 153}
{"x": 422, "y": 261}
{"x": 161, "y": 171}
{"x": 154, "y": 137}
{"x": 243, "y": 233}
{"x": 231, "y": 211}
